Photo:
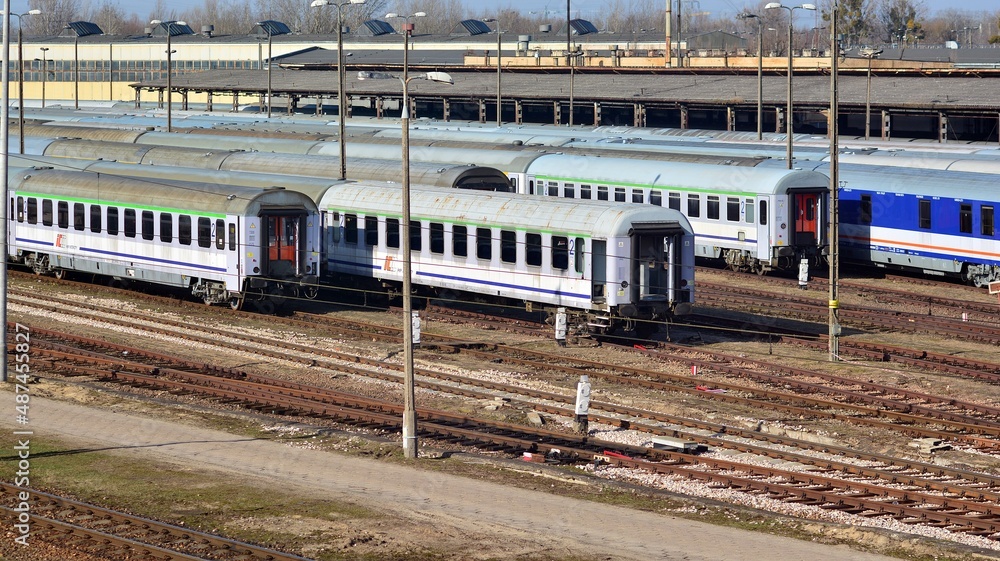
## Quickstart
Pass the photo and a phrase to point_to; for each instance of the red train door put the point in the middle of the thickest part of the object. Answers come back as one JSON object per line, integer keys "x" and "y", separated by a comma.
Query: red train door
{"x": 806, "y": 218}
{"x": 282, "y": 245}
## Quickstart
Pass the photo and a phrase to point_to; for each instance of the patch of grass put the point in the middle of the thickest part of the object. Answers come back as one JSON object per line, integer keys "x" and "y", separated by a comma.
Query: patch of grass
{"x": 199, "y": 500}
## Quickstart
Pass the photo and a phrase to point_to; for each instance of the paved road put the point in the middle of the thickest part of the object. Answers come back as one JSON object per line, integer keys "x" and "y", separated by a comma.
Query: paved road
{"x": 553, "y": 523}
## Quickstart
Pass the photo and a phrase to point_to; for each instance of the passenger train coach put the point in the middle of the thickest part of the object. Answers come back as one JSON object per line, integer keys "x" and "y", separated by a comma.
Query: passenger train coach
{"x": 753, "y": 220}
{"x": 225, "y": 244}
{"x": 612, "y": 266}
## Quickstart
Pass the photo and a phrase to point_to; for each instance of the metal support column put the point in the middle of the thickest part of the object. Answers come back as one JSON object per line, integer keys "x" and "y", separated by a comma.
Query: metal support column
{"x": 518, "y": 112}
{"x": 482, "y": 110}
{"x": 638, "y": 114}
{"x": 597, "y": 114}
{"x": 730, "y": 118}
{"x": 779, "y": 119}
{"x": 886, "y": 125}
{"x": 685, "y": 118}
{"x": 446, "y": 111}
{"x": 208, "y": 101}
{"x": 557, "y": 111}
{"x": 379, "y": 107}
{"x": 942, "y": 128}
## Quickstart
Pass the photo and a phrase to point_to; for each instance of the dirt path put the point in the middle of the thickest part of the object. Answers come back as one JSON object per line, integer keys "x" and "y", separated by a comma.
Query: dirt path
{"x": 479, "y": 512}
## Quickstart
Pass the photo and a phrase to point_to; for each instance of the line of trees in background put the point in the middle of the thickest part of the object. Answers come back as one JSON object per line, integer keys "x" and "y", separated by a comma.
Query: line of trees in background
{"x": 860, "y": 22}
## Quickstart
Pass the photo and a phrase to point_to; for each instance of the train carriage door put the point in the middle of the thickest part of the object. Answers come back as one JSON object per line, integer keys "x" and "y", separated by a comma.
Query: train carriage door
{"x": 284, "y": 235}
{"x": 652, "y": 257}
{"x": 806, "y": 211}
{"x": 599, "y": 270}
{"x": 764, "y": 238}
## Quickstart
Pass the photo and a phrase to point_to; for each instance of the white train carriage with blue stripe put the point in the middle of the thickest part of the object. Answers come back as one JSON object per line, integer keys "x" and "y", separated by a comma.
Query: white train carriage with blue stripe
{"x": 611, "y": 265}
{"x": 226, "y": 244}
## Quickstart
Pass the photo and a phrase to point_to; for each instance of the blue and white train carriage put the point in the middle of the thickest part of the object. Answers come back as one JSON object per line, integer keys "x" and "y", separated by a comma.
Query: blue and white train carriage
{"x": 611, "y": 265}
{"x": 226, "y": 244}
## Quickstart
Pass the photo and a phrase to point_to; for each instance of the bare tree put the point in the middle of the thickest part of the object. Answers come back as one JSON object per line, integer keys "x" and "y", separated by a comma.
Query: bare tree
{"x": 900, "y": 20}
{"x": 55, "y": 15}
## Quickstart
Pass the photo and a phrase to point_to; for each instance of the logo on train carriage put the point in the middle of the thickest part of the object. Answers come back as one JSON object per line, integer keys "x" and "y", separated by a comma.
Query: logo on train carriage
{"x": 59, "y": 240}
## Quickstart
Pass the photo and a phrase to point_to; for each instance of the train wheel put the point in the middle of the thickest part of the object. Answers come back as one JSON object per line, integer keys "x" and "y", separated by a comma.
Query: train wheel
{"x": 236, "y": 303}
{"x": 311, "y": 291}
{"x": 59, "y": 274}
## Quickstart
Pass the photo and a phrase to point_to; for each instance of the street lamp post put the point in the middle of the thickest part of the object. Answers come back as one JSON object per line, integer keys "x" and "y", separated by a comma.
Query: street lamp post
{"x": 266, "y": 27}
{"x": 341, "y": 103}
{"x": 497, "y": 20}
{"x": 409, "y": 395}
{"x": 760, "y": 73}
{"x": 20, "y": 78}
{"x": 833, "y": 241}
{"x": 788, "y": 116}
{"x": 869, "y": 54}
{"x": 76, "y": 71}
{"x": 45, "y": 71}
{"x": 168, "y": 25}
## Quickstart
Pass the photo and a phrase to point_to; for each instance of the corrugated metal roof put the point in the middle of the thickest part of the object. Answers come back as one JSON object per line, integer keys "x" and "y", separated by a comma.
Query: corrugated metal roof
{"x": 173, "y": 27}
{"x": 472, "y": 27}
{"x": 81, "y": 29}
{"x": 376, "y": 27}
{"x": 270, "y": 27}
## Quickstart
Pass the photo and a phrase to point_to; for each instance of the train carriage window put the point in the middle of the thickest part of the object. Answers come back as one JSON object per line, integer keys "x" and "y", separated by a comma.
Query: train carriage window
{"x": 371, "y": 231}
{"x": 20, "y": 209}
{"x": 62, "y": 212}
{"x": 351, "y": 229}
{"x": 552, "y": 189}
{"x": 95, "y": 218}
{"x": 585, "y": 192}
{"x": 674, "y": 201}
{"x": 183, "y": 229}
{"x": 32, "y": 210}
{"x": 232, "y": 235}
{"x": 533, "y": 249}
{"x": 531, "y": 187}
{"x": 79, "y": 217}
{"x": 712, "y": 204}
{"x": 113, "y": 221}
{"x": 620, "y": 194}
{"x": 460, "y": 241}
{"x": 748, "y": 210}
{"x": 694, "y": 206}
{"x": 602, "y": 193}
{"x": 732, "y": 209}
{"x": 560, "y": 252}
{"x": 569, "y": 191}
{"x": 638, "y": 196}
{"x": 508, "y": 246}
{"x": 147, "y": 225}
{"x": 129, "y": 223}
{"x": 166, "y": 227}
{"x": 986, "y": 220}
{"x": 484, "y": 243}
{"x": 656, "y": 198}
{"x": 763, "y": 213}
{"x": 415, "y": 236}
{"x": 46, "y": 212}
{"x": 437, "y": 237}
{"x": 204, "y": 231}
{"x": 392, "y": 232}
{"x": 965, "y": 219}
{"x": 924, "y": 213}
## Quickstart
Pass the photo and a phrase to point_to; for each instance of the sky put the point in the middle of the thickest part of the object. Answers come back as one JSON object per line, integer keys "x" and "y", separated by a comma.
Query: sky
{"x": 590, "y": 8}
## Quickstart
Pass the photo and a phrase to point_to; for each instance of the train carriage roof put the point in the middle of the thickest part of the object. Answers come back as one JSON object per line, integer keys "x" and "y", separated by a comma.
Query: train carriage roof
{"x": 153, "y": 193}
{"x": 681, "y": 175}
{"x": 561, "y": 216}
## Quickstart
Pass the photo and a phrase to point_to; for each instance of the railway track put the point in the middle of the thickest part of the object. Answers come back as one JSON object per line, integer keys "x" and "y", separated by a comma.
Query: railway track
{"x": 111, "y": 534}
{"x": 968, "y": 509}
{"x": 943, "y": 481}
